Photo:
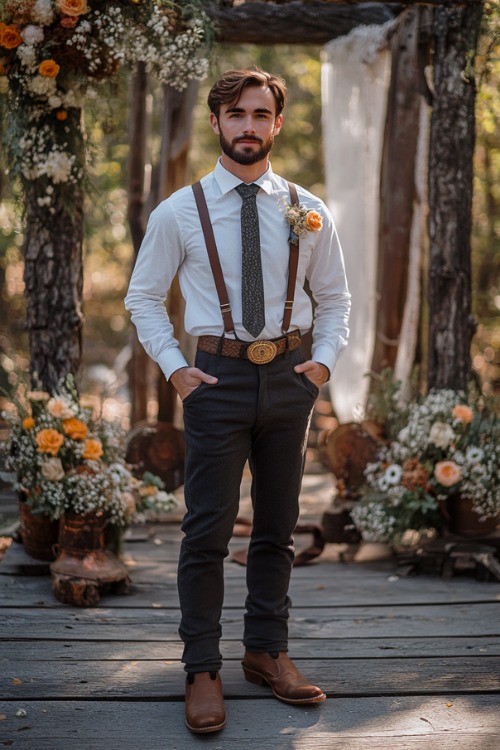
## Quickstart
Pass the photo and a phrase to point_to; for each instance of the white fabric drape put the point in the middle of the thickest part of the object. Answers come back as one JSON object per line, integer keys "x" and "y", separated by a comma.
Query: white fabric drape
{"x": 355, "y": 83}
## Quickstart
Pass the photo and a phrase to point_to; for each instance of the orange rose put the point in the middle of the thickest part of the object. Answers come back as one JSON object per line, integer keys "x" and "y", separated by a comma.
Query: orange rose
{"x": 28, "y": 423}
{"x": 49, "y": 69}
{"x": 75, "y": 428}
{"x": 314, "y": 221}
{"x": 463, "y": 413}
{"x": 72, "y": 7}
{"x": 10, "y": 38}
{"x": 92, "y": 450}
{"x": 62, "y": 115}
{"x": 447, "y": 473}
{"x": 49, "y": 441}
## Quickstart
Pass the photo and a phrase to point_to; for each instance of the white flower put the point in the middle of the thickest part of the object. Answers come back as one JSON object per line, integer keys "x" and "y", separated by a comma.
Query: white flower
{"x": 393, "y": 474}
{"x": 403, "y": 435}
{"x": 60, "y": 407}
{"x": 474, "y": 454}
{"x": 52, "y": 469}
{"x": 55, "y": 101}
{"x": 58, "y": 166}
{"x": 43, "y": 86}
{"x": 27, "y": 55}
{"x": 441, "y": 434}
{"x": 32, "y": 34}
{"x": 42, "y": 12}
{"x": 382, "y": 483}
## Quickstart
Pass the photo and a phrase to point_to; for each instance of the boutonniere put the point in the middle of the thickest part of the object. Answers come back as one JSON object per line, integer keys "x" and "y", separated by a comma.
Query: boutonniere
{"x": 301, "y": 220}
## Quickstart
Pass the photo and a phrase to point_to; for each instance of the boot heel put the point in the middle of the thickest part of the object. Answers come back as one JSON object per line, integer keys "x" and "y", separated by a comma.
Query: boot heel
{"x": 254, "y": 677}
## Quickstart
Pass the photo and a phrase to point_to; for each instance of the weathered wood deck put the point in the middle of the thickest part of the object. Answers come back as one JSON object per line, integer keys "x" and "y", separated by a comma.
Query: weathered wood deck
{"x": 406, "y": 662}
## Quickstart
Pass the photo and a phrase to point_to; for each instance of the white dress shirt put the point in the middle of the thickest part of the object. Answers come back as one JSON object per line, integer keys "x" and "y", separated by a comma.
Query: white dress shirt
{"x": 174, "y": 242}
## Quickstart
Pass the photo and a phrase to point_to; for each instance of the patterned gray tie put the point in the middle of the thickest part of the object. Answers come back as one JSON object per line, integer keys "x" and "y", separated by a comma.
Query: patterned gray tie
{"x": 252, "y": 284}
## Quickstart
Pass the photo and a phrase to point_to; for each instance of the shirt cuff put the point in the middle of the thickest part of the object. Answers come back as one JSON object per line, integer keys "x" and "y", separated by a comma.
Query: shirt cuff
{"x": 171, "y": 360}
{"x": 325, "y": 356}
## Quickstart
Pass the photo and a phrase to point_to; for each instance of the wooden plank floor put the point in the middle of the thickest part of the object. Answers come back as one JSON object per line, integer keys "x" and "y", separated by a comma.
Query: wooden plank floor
{"x": 405, "y": 662}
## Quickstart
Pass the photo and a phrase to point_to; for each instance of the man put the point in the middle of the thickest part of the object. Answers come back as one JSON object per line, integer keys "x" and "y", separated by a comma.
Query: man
{"x": 242, "y": 402}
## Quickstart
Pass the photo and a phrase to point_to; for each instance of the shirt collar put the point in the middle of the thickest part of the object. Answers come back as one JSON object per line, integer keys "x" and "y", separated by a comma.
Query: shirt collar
{"x": 227, "y": 181}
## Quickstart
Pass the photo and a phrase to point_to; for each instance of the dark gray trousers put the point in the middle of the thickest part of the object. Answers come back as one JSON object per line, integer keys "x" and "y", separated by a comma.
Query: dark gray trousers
{"x": 260, "y": 413}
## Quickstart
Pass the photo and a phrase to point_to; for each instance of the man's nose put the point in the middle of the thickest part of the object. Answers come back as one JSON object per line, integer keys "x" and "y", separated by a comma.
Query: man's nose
{"x": 249, "y": 125}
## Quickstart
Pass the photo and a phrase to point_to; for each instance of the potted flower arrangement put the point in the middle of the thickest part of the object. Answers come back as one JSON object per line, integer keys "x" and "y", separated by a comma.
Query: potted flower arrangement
{"x": 441, "y": 470}
{"x": 68, "y": 462}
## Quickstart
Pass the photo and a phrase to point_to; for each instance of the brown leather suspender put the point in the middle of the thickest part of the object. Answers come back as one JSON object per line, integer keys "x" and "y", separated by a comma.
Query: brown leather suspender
{"x": 213, "y": 255}
{"x": 208, "y": 233}
{"x": 293, "y": 264}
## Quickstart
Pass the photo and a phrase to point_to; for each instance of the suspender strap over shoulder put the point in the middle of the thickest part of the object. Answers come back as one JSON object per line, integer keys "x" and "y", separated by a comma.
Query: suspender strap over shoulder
{"x": 293, "y": 264}
{"x": 213, "y": 255}
{"x": 208, "y": 232}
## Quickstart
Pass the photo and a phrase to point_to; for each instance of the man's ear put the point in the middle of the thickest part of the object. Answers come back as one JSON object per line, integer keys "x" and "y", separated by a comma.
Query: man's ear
{"x": 214, "y": 122}
{"x": 277, "y": 124}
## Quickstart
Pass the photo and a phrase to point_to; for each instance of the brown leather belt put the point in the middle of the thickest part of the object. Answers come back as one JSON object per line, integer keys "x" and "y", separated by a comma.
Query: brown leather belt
{"x": 258, "y": 352}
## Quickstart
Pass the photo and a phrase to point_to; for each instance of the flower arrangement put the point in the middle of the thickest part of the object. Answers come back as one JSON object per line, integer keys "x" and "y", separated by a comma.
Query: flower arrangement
{"x": 53, "y": 53}
{"x": 447, "y": 447}
{"x": 66, "y": 460}
{"x": 301, "y": 220}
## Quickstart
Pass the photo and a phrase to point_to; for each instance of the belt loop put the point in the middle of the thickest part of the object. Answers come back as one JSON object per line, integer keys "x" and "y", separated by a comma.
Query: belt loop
{"x": 220, "y": 345}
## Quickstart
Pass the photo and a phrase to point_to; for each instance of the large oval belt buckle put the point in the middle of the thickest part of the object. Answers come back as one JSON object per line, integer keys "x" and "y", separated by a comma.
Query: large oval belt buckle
{"x": 261, "y": 352}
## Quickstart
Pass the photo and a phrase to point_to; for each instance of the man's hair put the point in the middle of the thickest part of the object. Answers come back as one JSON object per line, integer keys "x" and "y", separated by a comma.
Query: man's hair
{"x": 230, "y": 85}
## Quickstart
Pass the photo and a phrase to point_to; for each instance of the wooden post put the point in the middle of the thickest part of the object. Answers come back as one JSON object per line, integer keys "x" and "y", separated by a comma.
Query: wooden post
{"x": 173, "y": 174}
{"x": 451, "y": 150}
{"x": 397, "y": 188}
{"x": 139, "y": 362}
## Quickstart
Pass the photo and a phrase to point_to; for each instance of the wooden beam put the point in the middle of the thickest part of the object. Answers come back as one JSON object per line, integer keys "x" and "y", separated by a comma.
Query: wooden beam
{"x": 448, "y": 3}
{"x": 294, "y": 23}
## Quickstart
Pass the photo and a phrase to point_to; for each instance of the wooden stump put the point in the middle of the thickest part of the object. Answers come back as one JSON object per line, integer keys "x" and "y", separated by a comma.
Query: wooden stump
{"x": 159, "y": 448}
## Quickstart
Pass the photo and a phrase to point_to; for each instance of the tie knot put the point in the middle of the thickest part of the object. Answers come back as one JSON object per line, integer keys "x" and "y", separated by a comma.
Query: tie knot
{"x": 247, "y": 191}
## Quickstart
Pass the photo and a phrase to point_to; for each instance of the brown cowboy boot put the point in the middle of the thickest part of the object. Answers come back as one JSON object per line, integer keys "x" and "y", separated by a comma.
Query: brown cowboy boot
{"x": 204, "y": 703}
{"x": 279, "y": 672}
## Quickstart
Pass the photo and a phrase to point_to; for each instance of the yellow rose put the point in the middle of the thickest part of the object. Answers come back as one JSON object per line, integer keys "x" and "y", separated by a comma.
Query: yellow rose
{"x": 49, "y": 69}
{"x": 49, "y": 441}
{"x": 314, "y": 221}
{"x": 463, "y": 413}
{"x": 10, "y": 38}
{"x": 447, "y": 473}
{"x": 75, "y": 428}
{"x": 72, "y": 7}
{"x": 92, "y": 449}
{"x": 28, "y": 423}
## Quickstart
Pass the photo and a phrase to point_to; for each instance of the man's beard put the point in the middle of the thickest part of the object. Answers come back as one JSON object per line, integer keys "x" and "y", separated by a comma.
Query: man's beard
{"x": 249, "y": 157}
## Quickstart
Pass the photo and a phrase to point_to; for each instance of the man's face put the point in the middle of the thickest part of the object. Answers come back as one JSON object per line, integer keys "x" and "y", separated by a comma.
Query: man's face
{"x": 247, "y": 128}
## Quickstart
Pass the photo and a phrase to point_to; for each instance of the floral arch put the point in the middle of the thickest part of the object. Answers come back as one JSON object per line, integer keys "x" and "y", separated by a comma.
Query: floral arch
{"x": 55, "y": 55}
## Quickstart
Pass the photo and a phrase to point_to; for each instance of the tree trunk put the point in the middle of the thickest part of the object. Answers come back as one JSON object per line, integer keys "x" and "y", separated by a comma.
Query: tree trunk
{"x": 397, "y": 189}
{"x": 451, "y": 150}
{"x": 53, "y": 276}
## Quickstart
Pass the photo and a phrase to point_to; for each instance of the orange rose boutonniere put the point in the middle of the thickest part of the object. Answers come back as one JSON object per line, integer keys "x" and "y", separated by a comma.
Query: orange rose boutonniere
{"x": 301, "y": 220}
